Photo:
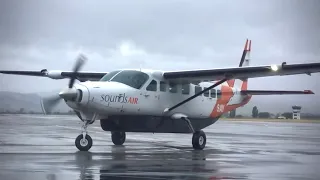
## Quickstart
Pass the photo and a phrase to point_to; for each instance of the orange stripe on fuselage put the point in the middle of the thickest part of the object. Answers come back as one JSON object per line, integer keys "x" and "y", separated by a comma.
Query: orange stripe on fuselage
{"x": 234, "y": 106}
{"x": 244, "y": 85}
{"x": 226, "y": 94}
{"x": 222, "y": 106}
{"x": 231, "y": 82}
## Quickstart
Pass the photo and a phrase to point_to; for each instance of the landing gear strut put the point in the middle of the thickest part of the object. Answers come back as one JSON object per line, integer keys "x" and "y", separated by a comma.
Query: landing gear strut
{"x": 84, "y": 142}
{"x": 118, "y": 138}
{"x": 199, "y": 140}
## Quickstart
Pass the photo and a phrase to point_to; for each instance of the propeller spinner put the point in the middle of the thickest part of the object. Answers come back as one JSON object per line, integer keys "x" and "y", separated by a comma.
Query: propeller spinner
{"x": 67, "y": 94}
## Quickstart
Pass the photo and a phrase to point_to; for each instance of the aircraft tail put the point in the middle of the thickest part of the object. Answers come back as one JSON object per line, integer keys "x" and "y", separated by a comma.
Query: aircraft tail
{"x": 244, "y": 61}
{"x": 245, "y": 58}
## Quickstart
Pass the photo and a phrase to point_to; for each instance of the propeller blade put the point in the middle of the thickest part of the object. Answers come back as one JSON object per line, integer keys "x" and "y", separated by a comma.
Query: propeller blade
{"x": 47, "y": 104}
{"x": 71, "y": 82}
{"x": 79, "y": 63}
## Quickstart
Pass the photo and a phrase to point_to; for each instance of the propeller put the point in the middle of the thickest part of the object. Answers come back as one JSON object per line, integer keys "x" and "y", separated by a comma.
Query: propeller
{"x": 48, "y": 103}
{"x": 79, "y": 63}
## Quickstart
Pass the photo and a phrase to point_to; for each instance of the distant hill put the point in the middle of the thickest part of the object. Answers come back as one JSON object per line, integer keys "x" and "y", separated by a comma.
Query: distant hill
{"x": 14, "y": 102}
{"x": 30, "y": 102}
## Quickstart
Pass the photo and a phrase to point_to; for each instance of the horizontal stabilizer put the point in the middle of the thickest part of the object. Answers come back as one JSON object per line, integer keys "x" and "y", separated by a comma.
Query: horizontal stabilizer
{"x": 267, "y": 92}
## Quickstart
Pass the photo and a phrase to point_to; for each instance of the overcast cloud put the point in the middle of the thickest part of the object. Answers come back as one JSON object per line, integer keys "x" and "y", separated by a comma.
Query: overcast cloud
{"x": 166, "y": 35}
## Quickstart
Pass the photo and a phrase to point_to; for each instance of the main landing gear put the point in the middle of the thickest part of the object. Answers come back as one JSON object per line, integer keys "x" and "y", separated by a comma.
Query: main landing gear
{"x": 118, "y": 138}
{"x": 199, "y": 138}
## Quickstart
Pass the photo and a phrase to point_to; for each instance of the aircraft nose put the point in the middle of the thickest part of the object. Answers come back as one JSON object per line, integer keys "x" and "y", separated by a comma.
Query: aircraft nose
{"x": 78, "y": 94}
{"x": 69, "y": 94}
{"x": 76, "y": 97}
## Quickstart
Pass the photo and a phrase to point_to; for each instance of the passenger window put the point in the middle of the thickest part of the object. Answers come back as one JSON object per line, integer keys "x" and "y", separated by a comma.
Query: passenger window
{"x": 206, "y": 94}
{"x": 185, "y": 88}
{"x": 197, "y": 89}
{"x": 163, "y": 86}
{"x": 173, "y": 88}
{"x": 213, "y": 93}
{"x": 152, "y": 86}
{"x": 218, "y": 93}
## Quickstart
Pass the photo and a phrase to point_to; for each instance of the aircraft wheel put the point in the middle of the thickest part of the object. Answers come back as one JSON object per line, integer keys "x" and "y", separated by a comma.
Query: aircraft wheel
{"x": 199, "y": 140}
{"x": 83, "y": 144}
{"x": 118, "y": 138}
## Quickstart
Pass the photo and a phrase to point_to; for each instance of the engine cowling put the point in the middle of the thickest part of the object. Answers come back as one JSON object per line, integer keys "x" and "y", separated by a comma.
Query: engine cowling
{"x": 55, "y": 74}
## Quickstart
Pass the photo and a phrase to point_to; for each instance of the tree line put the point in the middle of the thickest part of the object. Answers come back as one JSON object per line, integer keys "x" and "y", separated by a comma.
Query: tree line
{"x": 256, "y": 114}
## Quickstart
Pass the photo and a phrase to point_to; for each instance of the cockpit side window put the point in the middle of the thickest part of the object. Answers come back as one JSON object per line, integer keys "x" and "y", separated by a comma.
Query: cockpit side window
{"x": 163, "y": 86}
{"x": 152, "y": 86}
{"x": 135, "y": 79}
{"x": 173, "y": 87}
{"x": 108, "y": 76}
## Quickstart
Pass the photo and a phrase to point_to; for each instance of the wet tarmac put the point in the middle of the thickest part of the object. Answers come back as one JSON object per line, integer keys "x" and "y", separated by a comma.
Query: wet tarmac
{"x": 42, "y": 147}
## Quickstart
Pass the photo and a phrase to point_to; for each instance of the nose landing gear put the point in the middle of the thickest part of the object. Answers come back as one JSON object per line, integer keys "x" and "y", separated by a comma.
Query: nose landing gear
{"x": 84, "y": 142}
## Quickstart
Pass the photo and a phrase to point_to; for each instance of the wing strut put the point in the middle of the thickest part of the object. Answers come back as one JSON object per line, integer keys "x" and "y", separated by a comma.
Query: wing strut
{"x": 196, "y": 95}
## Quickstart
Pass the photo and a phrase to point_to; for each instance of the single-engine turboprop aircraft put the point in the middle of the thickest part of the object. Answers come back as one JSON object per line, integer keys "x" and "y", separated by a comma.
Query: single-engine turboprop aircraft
{"x": 161, "y": 101}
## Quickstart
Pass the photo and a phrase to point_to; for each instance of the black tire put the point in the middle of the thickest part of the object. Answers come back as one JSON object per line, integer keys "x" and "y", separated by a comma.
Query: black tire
{"x": 199, "y": 140}
{"x": 118, "y": 138}
{"x": 83, "y": 146}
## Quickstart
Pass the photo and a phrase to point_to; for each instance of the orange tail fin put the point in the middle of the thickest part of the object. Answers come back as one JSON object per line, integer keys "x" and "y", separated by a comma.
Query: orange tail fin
{"x": 244, "y": 61}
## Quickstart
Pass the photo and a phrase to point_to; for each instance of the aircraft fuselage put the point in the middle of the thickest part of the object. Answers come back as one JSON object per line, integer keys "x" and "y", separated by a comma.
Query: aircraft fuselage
{"x": 117, "y": 102}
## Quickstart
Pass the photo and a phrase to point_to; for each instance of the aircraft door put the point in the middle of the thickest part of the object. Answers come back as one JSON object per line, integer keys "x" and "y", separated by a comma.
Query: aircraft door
{"x": 150, "y": 97}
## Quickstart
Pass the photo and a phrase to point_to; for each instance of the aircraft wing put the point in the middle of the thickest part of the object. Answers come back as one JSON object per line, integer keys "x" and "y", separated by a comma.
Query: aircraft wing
{"x": 81, "y": 76}
{"x": 268, "y": 92}
{"x": 242, "y": 72}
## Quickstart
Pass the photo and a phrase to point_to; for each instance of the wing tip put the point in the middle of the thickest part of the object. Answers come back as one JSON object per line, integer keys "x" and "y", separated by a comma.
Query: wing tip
{"x": 308, "y": 92}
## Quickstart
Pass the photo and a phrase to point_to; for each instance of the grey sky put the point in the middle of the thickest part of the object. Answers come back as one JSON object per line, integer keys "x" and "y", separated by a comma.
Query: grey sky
{"x": 166, "y": 35}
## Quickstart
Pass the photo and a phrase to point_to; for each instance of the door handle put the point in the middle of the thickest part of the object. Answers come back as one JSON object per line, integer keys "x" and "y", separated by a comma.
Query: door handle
{"x": 144, "y": 94}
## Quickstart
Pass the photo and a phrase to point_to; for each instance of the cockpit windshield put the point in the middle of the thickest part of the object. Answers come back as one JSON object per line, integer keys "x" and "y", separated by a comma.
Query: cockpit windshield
{"x": 132, "y": 78}
{"x": 108, "y": 76}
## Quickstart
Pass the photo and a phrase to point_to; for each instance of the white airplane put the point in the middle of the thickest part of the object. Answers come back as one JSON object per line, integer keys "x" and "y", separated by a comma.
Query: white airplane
{"x": 133, "y": 100}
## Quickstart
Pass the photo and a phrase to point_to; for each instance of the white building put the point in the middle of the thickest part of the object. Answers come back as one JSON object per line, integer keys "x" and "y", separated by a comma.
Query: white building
{"x": 296, "y": 112}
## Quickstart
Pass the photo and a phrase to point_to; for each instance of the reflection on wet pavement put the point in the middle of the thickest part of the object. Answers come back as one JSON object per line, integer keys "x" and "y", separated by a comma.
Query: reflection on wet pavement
{"x": 42, "y": 147}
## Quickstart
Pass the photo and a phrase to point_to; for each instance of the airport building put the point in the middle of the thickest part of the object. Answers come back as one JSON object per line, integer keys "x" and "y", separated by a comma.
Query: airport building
{"x": 296, "y": 112}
